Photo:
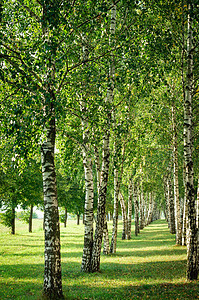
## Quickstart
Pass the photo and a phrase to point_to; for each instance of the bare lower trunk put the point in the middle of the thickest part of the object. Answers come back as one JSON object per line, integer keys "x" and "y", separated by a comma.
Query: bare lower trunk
{"x": 124, "y": 217}
{"x": 52, "y": 270}
{"x": 30, "y": 218}
{"x": 89, "y": 196}
{"x": 176, "y": 184}
{"x": 115, "y": 213}
{"x": 141, "y": 207}
{"x": 129, "y": 209}
{"x": 13, "y": 221}
{"x": 192, "y": 256}
{"x": 184, "y": 225}
{"x": 197, "y": 207}
{"x": 136, "y": 209}
{"x": 106, "y": 248}
{"x": 95, "y": 261}
{"x": 150, "y": 212}
{"x": 171, "y": 209}
{"x": 65, "y": 216}
{"x": 78, "y": 218}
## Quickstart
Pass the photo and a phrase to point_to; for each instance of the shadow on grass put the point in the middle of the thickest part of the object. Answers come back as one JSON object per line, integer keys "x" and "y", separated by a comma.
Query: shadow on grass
{"x": 114, "y": 282}
{"x": 149, "y": 291}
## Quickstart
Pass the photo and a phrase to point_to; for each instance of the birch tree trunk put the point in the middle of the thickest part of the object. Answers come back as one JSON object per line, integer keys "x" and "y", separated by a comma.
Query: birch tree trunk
{"x": 192, "y": 257}
{"x": 88, "y": 214}
{"x": 52, "y": 270}
{"x": 197, "y": 207}
{"x": 30, "y": 218}
{"x": 130, "y": 190}
{"x": 13, "y": 221}
{"x": 88, "y": 174}
{"x": 141, "y": 207}
{"x": 95, "y": 261}
{"x": 115, "y": 212}
{"x": 124, "y": 216}
{"x": 136, "y": 209}
{"x": 170, "y": 200}
{"x": 65, "y": 216}
{"x": 95, "y": 264}
{"x": 106, "y": 248}
{"x": 184, "y": 224}
{"x": 150, "y": 212}
{"x": 176, "y": 184}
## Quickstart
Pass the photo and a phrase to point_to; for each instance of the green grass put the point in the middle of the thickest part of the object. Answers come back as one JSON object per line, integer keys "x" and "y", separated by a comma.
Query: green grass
{"x": 149, "y": 266}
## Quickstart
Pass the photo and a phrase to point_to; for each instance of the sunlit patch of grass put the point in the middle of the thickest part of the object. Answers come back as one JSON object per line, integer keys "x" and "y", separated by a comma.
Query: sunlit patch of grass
{"x": 148, "y": 266}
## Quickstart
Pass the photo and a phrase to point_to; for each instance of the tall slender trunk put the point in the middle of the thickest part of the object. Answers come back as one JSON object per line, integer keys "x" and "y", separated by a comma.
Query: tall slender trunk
{"x": 78, "y": 218}
{"x": 192, "y": 257}
{"x": 130, "y": 196}
{"x": 88, "y": 215}
{"x": 115, "y": 212}
{"x": 141, "y": 207}
{"x": 197, "y": 206}
{"x": 88, "y": 174}
{"x": 95, "y": 261}
{"x": 65, "y": 216}
{"x": 52, "y": 270}
{"x": 176, "y": 184}
{"x": 185, "y": 224}
{"x": 166, "y": 199}
{"x": 124, "y": 216}
{"x": 30, "y": 218}
{"x": 150, "y": 213}
{"x": 106, "y": 248}
{"x": 136, "y": 208}
{"x": 13, "y": 221}
{"x": 171, "y": 208}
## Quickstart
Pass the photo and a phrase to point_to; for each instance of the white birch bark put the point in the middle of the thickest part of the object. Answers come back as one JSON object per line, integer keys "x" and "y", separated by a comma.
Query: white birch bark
{"x": 124, "y": 216}
{"x": 52, "y": 270}
{"x": 136, "y": 208}
{"x": 171, "y": 208}
{"x": 95, "y": 261}
{"x": 176, "y": 184}
{"x": 184, "y": 224}
{"x": 197, "y": 206}
{"x": 88, "y": 174}
{"x": 106, "y": 248}
{"x": 192, "y": 256}
{"x": 150, "y": 211}
{"x": 130, "y": 196}
{"x": 115, "y": 212}
{"x": 141, "y": 206}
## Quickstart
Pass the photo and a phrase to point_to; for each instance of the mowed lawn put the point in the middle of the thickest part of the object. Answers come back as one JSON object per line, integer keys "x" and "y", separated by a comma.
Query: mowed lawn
{"x": 149, "y": 266}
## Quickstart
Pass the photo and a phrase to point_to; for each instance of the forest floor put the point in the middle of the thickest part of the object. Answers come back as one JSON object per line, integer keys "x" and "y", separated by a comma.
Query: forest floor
{"x": 148, "y": 266}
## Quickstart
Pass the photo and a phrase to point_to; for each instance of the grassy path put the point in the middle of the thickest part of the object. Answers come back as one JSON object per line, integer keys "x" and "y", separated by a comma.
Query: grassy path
{"x": 149, "y": 266}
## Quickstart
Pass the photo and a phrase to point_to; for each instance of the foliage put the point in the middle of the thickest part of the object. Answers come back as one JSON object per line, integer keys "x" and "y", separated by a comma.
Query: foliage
{"x": 25, "y": 215}
{"x": 7, "y": 217}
